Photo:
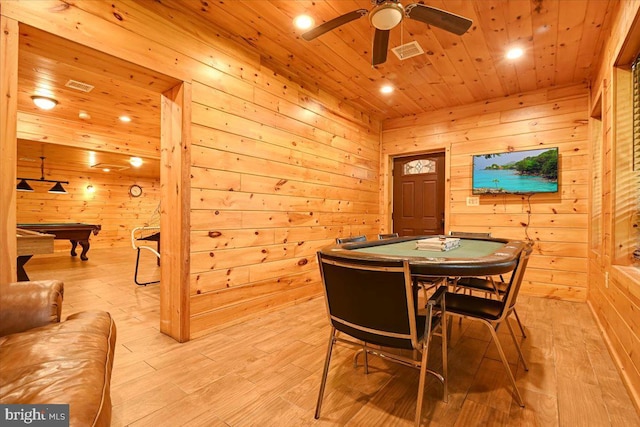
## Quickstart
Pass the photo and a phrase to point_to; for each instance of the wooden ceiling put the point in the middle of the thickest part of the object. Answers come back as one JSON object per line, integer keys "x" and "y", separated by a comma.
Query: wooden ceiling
{"x": 562, "y": 41}
{"x": 47, "y": 62}
{"x": 79, "y": 161}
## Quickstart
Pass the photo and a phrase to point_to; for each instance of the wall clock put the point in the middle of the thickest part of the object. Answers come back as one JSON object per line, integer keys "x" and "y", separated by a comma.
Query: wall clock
{"x": 135, "y": 190}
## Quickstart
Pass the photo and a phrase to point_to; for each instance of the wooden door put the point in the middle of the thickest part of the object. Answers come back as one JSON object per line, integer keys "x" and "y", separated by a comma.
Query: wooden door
{"x": 418, "y": 194}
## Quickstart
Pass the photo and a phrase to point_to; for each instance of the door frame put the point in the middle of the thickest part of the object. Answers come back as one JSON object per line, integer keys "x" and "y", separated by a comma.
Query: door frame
{"x": 174, "y": 181}
{"x": 386, "y": 203}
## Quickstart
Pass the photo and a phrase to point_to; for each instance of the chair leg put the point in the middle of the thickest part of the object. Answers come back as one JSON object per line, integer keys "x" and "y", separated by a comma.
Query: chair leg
{"x": 135, "y": 274}
{"x": 515, "y": 341}
{"x": 365, "y": 356}
{"x": 421, "y": 382}
{"x": 494, "y": 335}
{"x": 445, "y": 356}
{"x": 325, "y": 371}
{"x": 519, "y": 323}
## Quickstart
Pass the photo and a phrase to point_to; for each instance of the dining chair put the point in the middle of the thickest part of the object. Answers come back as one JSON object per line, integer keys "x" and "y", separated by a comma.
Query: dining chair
{"x": 487, "y": 284}
{"x": 360, "y": 238}
{"x": 387, "y": 236}
{"x": 373, "y": 306}
{"x": 478, "y": 235}
{"x": 492, "y": 313}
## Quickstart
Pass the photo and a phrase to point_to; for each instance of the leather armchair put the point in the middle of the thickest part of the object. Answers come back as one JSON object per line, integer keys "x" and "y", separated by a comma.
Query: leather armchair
{"x": 45, "y": 360}
{"x": 28, "y": 305}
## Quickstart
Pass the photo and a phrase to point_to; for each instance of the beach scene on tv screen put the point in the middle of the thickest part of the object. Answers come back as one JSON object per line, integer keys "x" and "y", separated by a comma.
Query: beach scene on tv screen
{"x": 532, "y": 171}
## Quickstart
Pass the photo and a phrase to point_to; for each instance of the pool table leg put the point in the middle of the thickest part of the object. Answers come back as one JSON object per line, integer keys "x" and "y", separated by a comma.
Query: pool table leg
{"x": 22, "y": 274}
{"x": 85, "y": 248}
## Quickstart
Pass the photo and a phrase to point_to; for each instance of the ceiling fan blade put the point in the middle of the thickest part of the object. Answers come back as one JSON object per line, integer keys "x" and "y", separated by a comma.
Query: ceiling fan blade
{"x": 438, "y": 18}
{"x": 334, "y": 23}
{"x": 380, "y": 46}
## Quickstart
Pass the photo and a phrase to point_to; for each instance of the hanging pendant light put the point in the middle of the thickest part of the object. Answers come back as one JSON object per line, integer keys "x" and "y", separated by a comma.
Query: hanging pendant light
{"x": 23, "y": 185}
{"x": 57, "y": 188}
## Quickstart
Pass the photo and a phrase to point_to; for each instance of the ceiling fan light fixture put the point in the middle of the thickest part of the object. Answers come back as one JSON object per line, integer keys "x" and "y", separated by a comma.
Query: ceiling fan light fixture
{"x": 43, "y": 102}
{"x": 386, "y": 16}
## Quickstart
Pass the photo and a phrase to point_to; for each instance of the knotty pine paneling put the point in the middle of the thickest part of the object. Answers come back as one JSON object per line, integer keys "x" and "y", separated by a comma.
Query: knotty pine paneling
{"x": 110, "y": 205}
{"x": 273, "y": 182}
{"x": 42, "y": 127}
{"x": 557, "y": 223}
{"x": 268, "y": 156}
{"x": 614, "y": 291}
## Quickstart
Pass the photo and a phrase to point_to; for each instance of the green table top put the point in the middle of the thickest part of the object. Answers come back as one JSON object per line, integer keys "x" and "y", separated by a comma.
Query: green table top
{"x": 474, "y": 257}
{"x": 467, "y": 249}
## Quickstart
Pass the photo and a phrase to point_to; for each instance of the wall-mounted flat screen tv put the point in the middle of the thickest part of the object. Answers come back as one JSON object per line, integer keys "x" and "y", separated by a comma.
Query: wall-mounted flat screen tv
{"x": 516, "y": 172}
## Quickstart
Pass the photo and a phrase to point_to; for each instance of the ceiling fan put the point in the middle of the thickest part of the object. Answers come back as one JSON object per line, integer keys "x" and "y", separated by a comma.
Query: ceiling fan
{"x": 387, "y": 14}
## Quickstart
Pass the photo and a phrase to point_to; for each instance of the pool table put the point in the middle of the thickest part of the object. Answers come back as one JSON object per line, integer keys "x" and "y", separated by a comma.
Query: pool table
{"x": 30, "y": 243}
{"x": 474, "y": 256}
{"x": 76, "y": 233}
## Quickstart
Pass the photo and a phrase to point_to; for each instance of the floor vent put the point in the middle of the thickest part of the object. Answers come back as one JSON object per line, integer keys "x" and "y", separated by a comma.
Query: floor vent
{"x": 83, "y": 87}
{"x": 408, "y": 50}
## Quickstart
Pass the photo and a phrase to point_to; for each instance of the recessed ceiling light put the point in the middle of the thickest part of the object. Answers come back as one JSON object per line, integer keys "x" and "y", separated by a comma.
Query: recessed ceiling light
{"x": 135, "y": 162}
{"x": 84, "y": 115}
{"x": 106, "y": 170}
{"x": 514, "y": 53}
{"x": 43, "y": 102}
{"x": 303, "y": 22}
{"x": 386, "y": 89}
{"x": 125, "y": 119}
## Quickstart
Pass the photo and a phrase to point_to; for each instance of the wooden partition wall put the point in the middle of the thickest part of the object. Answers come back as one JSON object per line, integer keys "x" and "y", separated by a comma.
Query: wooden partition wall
{"x": 276, "y": 171}
{"x": 614, "y": 292}
{"x": 555, "y": 223}
{"x": 275, "y": 177}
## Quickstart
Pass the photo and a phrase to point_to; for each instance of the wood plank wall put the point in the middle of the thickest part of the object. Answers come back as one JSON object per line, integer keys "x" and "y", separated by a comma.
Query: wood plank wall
{"x": 278, "y": 170}
{"x": 614, "y": 285}
{"x": 9, "y": 34}
{"x": 110, "y": 205}
{"x": 557, "y": 225}
{"x": 274, "y": 178}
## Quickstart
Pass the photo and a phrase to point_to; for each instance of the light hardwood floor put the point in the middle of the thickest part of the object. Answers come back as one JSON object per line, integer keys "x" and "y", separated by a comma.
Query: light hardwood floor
{"x": 266, "y": 371}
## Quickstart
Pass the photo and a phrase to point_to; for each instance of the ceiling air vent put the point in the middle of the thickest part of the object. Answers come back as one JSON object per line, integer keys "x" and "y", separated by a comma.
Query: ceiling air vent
{"x": 408, "y": 50}
{"x": 110, "y": 166}
{"x": 83, "y": 87}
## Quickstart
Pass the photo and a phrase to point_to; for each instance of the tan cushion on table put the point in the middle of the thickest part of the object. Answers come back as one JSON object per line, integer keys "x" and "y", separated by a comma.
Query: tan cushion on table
{"x": 67, "y": 362}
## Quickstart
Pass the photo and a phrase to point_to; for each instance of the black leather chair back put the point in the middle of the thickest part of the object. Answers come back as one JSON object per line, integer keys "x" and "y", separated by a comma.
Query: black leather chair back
{"x": 372, "y": 301}
{"x": 469, "y": 234}
{"x": 515, "y": 284}
{"x": 387, "y": 236}
{"x": 361, "y": 238}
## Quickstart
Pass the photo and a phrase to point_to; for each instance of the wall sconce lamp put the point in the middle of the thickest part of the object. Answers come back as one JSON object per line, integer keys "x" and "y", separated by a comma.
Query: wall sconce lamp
{"x": 57, "y": 188}
{"x": 43, "y": 102}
